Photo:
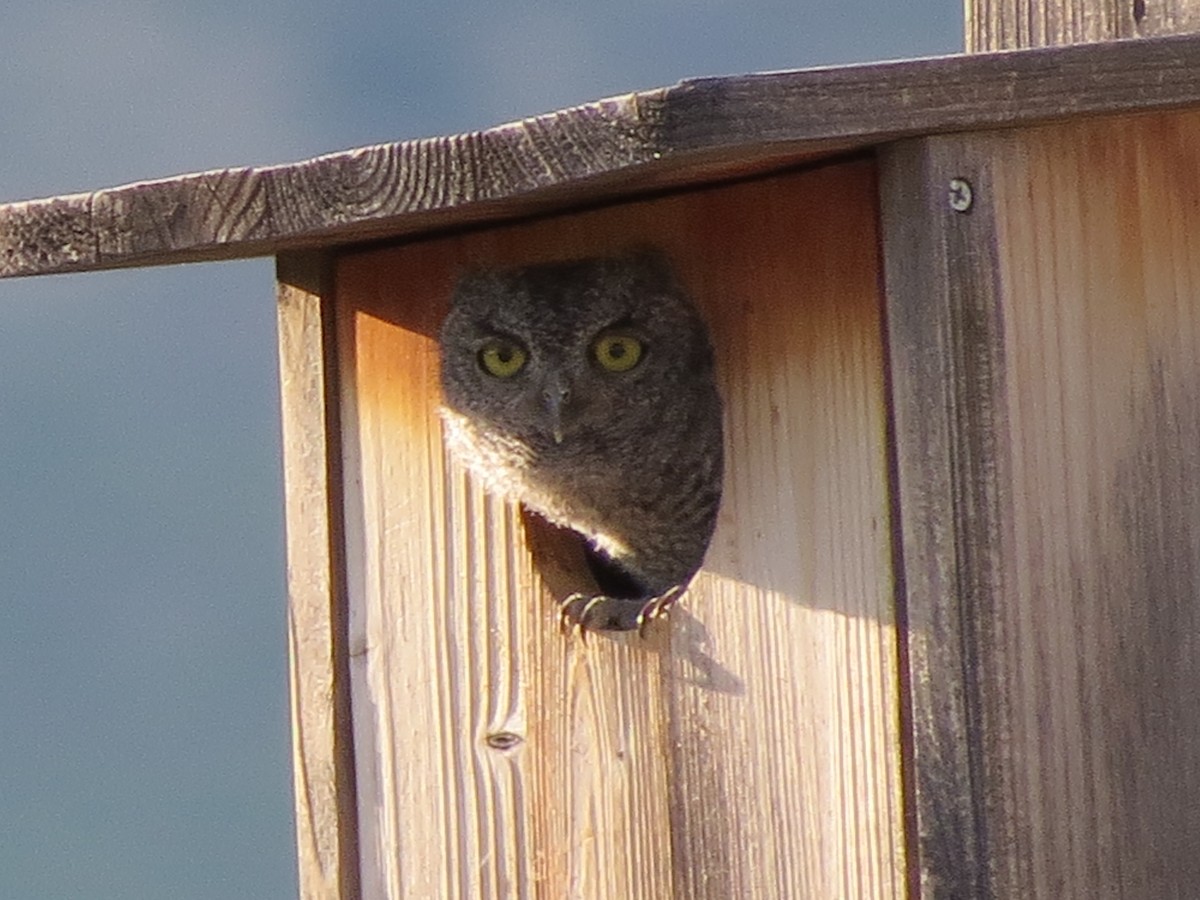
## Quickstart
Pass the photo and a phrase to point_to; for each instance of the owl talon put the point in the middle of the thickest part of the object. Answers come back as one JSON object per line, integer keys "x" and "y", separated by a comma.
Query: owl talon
{"x": 577, "y": 623}
{"x": 581, "y": 613}
{"x": 657, "y": 607}
{"x": 586, "y": 614}
{"x": 567, "y": 622}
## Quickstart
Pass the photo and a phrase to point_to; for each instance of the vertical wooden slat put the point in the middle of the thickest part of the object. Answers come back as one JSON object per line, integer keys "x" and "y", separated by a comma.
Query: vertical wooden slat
{"x": 944, "y": 348}
{"x": 1021, "y": 24}
{"x": 750, "y": 748}
{"x": 1046, "y": 471}
{"x": 317, "y": 651}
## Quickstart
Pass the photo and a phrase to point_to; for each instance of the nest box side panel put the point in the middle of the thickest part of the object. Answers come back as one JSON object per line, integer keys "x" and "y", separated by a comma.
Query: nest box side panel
{"x": 318, "y": 658}
{"x": 1051, "y": 533}
{"x": 748, "y": 747}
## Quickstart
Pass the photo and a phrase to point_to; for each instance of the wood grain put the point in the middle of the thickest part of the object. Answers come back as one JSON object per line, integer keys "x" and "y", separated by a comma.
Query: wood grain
{"x": 703, "y": 130}
{"x": 323, "y": 759}
{"x": 1020, "y": 24}
{"x": 943, "y": 344}
{"x": 1053, "y": 521}
{"x": 750, "y": 747}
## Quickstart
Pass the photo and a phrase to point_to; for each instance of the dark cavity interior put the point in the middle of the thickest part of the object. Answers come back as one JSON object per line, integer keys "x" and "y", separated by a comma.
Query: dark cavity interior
{"x": 613, "y": 580}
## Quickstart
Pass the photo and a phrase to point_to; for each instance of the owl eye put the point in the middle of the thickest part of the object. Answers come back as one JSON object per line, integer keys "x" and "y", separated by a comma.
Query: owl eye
{"x": 617, "y": 352}
{"x": 503, "y": 359}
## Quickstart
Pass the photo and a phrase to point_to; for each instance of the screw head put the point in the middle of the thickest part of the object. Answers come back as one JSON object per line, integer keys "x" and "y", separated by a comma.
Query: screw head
{"x": 960, "y": 195}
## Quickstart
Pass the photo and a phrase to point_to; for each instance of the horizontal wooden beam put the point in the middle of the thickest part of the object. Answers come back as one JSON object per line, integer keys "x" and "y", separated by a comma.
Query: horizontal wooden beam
{"x": 702, "y": 130}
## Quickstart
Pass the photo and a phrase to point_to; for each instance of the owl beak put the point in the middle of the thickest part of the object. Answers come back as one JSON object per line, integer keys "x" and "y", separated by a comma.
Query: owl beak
{"x": 556, "y": 395}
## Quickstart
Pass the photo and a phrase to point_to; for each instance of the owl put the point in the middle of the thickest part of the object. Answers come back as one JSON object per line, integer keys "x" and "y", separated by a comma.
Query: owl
{"x": 585, "y": 390}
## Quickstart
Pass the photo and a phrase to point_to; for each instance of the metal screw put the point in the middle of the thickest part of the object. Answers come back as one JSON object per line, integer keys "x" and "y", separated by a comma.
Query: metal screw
{"x": 960, "y": 195}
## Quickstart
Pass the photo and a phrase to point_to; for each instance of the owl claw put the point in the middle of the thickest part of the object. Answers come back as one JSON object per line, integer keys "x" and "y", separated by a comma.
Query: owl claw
{"x": 565, "y": 620}
{"x": 589, "y": 606}
{"x": 569, "y": 622}
{"x": 577, "y": 623}
{"x": 656, "y": 607}
{"x": 586, "y": 614}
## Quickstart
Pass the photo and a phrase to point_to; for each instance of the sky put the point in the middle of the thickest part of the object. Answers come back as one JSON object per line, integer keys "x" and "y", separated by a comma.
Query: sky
{"x": 144, "y": 745}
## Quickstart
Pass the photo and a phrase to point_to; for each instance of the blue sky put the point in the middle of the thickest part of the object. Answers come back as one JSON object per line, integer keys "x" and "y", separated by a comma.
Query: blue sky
{"x": 144, "y": 740}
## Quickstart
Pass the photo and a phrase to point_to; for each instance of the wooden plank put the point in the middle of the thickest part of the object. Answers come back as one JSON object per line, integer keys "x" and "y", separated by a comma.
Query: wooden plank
{"x": 317, "y": 631}
{"x": 702, "y": 130}
{"x": 748, "y": 748}
{"x": 53, "y": 235}
{"x": 943, "y": 348}
{"x": 1065, "y": 544}
{"x": 1018, "y": 24}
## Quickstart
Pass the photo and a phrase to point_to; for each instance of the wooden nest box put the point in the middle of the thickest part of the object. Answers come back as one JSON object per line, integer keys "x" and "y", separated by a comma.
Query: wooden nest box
{"x": 946, "y": 642}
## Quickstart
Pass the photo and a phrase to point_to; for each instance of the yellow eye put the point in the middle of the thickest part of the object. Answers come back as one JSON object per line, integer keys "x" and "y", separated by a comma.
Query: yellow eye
{"x": 617, "y": 352}
{"x": 504, "y": 359}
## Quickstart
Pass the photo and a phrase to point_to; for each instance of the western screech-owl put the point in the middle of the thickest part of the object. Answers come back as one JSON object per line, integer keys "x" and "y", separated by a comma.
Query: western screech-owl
{"x": 585, "y": 390}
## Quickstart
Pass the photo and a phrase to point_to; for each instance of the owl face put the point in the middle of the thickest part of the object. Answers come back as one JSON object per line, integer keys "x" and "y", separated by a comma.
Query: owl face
{"x": 562, "y": 358}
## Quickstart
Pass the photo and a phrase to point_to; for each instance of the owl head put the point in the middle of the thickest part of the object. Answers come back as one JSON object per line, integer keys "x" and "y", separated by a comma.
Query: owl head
{"x": 593, "y": 354}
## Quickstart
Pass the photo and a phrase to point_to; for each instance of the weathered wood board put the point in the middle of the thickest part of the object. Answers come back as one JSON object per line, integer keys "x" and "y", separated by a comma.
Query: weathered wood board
{"x": 700, "y": 130}
{"x": 1012, "y": 24}
{"x": 749, "y": 748}
{"x": 1046, "y": 363}
{"x": 318, "y": 656}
